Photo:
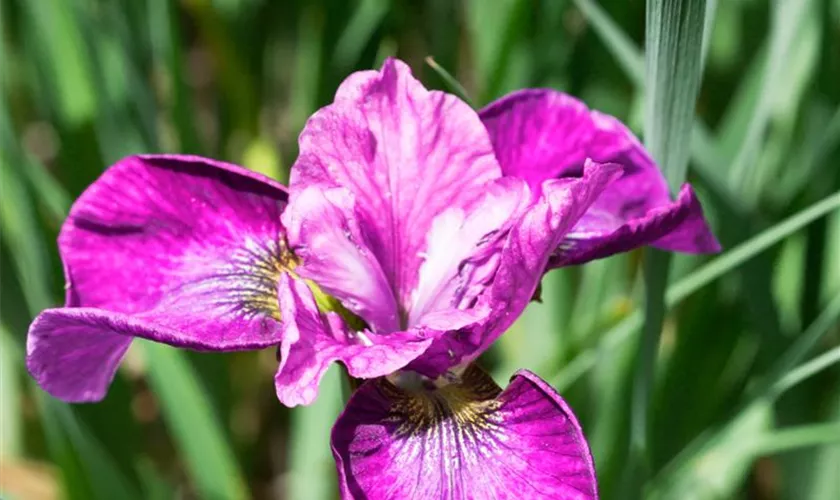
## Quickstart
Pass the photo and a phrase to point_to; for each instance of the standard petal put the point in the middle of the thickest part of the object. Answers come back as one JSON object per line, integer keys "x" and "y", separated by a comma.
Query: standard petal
{"x": 405, "y": 154}
{"x": 191, "y": 244}
{"x": 542, "y": 134}
{"x": 464, "y": 440}
{"x": 312, "y": 340}
{"x": 337, "y": 256}
{"x": 527, "y": 249}
{"x": 73, "y": 352}
{"x": 462, "y": 250}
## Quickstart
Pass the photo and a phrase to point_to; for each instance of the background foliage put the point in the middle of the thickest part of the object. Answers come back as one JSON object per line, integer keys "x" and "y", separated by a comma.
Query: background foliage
{"x": 739, "y": 397}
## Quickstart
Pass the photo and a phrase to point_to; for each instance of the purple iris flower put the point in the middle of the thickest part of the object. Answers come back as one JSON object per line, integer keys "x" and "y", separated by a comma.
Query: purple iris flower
{"x": 414, "y": 232}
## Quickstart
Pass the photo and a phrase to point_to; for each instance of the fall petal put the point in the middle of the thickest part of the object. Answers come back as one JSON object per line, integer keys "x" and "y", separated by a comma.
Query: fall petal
{"x": 192, "y": 244}
{"x": 465, "y": 440}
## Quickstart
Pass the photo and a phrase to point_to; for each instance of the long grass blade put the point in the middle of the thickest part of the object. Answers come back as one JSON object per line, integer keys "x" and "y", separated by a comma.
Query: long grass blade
{"x": 358, "y": 32}
{"x": 674, "y": 35}
{"x": 807, "y": 370}
{"x": 193, "y": 424}
{"x": 695, "y": 281}
{"x": 625, "y": 51}
{"x": 786, "y": 16}
{"x": 167, "y": 47}
{"x": 307, "y": 77}
{"x": 804, "y": 344}
{"x": 309, "y": 449}
{"x": 798, "y": 437}
{"x": 764, "y": 392}
{"x": 11, "y": 417}
{"x": 450, "y": 80}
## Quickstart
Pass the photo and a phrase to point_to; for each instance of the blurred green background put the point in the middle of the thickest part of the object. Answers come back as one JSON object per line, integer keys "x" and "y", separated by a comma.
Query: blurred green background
{"x": 744, "y": 398}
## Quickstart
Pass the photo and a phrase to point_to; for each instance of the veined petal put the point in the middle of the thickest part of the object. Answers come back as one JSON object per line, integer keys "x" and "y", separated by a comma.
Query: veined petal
{"x": 312, "y": 340}
{"x": 73, "y": 352}
{"x": 541, "y": 134}
{"x": 193, "y": 245}
{"x": 527, "y": 248}
{"x": 462, "y": 250}
{"x": 337, "y": 256}
{"x": 405, "y": 154}
{"x": 598, "y": 235}
{"x": 175, "y": 249}
{"x": 465, "y": 440}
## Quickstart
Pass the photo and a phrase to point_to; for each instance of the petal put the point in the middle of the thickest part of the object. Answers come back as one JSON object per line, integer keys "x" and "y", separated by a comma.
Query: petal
{"x": 465, "y": 440}
{"x": 194, "y": 245}
{"x": 528, "y": 247}
{"x": 73, "y": 352}
{"x": 405, "y": 154}
{"x": 336, "y": 254}
{"x": 462, "y": 249}
{"x": 540, "y": 134}
{"x": 313, "y": 340}
{"x": 678, "y": 226}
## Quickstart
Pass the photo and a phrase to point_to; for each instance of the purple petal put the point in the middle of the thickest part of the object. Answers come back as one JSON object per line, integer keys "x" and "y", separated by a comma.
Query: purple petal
{"x": 527, "y": 249}
{"x": 542, "y": 134}
{"x": 193, "y": 245}
{"x": 404, "y": 154}
{"x": 313, "y": 340}
{"x": 681, "y": 222}
{"x": 336, "y": 254}
{"x": 465, "y": 440}
{"x": 73, "y": 352}
{"x": 463, "y": 248}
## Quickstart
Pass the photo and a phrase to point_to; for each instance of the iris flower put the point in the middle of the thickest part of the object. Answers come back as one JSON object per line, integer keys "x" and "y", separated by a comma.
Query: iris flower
{"x": 413, "y": 233}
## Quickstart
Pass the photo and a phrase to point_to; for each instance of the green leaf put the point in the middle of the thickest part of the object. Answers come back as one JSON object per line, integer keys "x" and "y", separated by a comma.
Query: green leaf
{"x": 358, "y": 32}
{"x": 777, "y": 379}
{"x": 492, "y": 28}
{"x": 307, "y": 74}
{"x": 58, "y": 50}
{"x": 785, "y": 20}
{"x": 674, "y": 36}
{"x": 11, "y": 416}
{"x": 763, "y": 394}
{"x": 312, "y": 474}
{"x": 625, "y": 51}
{"x": 20, "y": 227}
{"x": 718, "y": 468}
{"x": 193, "y": 424}
{"x": 798, "y": 437}
{"x": 106, "y": 480}
{"x": 807, "y": 370}
{"x": 825, "y": 481}
{"x": 166, "y": 36}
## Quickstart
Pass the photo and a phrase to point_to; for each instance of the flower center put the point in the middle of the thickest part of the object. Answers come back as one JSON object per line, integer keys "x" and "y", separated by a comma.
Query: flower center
{"x": 468, "y": 400}
{"x": 259, "y": 267}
